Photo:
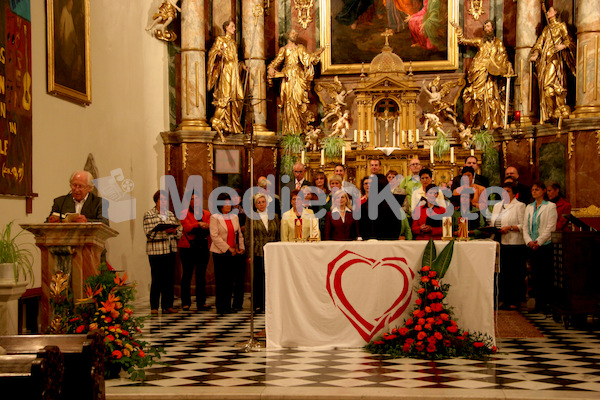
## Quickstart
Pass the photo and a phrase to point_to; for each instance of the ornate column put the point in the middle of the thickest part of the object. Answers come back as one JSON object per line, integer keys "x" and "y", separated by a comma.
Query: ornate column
{"x": 193, "y": 68}
{"x": 588, "y": 45}
{"x": 253, "y": 38}
{"x": 529, "y": 16}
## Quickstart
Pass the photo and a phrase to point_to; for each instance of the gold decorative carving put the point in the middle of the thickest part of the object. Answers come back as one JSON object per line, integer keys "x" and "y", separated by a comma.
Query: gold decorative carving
{"x": 476, "y": 9}
{"x": 184, "y": 155}
{"x": 211, "y": 160}
{"x": 304, "y": 7}
{"x": 570, "y": 145}
{"x": 504, "y": 150}
{"x": 597, "y": 132}
{"x": 168, "y": 157}
{"x": 531, "y": 142}
{"x": 167, "y": 12}
{"x": 275, "y": 157}
{"x": 257, "y": 11}
{"x": 591, "y": 211}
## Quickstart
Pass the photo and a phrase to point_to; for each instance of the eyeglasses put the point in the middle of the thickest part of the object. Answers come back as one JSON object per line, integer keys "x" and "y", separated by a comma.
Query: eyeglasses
{"x": 298, "y": 172}
{"x": 414, "y": 164}
{"x": 78, "y": 187}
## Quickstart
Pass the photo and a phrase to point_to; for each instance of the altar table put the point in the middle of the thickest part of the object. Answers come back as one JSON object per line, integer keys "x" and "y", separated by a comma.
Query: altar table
{"x": 323, "y": 295}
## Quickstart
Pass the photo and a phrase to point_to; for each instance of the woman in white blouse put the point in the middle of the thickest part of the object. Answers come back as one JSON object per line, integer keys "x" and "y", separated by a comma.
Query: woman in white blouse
{"x": 507, "y": 217}
{"x": 539, "y": 223}
{"x": 299, "y": 219}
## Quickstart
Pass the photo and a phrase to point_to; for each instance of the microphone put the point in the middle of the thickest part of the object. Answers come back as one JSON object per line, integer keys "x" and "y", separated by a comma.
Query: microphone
{"x": 60, "y": 214}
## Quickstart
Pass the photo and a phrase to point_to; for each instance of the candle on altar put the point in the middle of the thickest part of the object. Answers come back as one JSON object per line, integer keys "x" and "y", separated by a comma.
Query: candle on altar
{"x": 472, "y": 152}
{"x": 344, "y": 155}
{"x": 452, "y": 155}
{"x": 417, "y": 139}
{"x": 302, "y": 156}
{"x": 322, "y": 156}
{"x": 355, "y": 135}
{"x": 403, "y": 137}
{"x": 368, "y": 136}
{"x": 410, "y": 136}
{"x": 361, "y": 138}
{"x": 431, "y": 154}
{"x": 517, "y": 116}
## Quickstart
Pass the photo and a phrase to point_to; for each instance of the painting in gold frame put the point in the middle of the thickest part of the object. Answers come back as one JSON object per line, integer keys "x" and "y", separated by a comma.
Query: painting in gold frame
{"x": 68, "y": 37}
{"x": 353, "y": 35}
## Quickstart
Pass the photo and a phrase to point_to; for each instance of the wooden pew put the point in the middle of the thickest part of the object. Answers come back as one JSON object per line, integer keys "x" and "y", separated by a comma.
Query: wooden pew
{"x": 32, "y": 376}
{"x": 83, "y": 360}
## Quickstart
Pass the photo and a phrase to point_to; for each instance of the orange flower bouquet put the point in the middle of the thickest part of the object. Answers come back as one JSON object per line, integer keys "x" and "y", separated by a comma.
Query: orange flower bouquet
{"x": 106, "y": 308}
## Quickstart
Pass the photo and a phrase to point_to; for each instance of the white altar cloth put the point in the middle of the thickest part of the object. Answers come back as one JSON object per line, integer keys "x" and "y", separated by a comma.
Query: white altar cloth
{"x": 342, "y": 294}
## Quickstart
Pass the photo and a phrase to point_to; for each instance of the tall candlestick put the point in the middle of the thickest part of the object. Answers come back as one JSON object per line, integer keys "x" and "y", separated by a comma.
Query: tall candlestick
{"x": 410, "y": 136}
{"x": 403, "y": 137}
{"x": 344, "y": 155}
{"x": 322, "y": 156}
{"x": 452, "y": 155}
{"x": 355, "y": 136}
{"x": 302, "y": 156}
{"x": 361, "y": 138}
{"x": 431, "y": 154}
{"x": 417, "y": 136}
{"x": 368, "y": 136}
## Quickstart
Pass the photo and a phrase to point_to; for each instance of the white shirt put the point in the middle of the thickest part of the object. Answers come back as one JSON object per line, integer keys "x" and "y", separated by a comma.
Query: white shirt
{"x": 264, "y": 216}
{"x": 79, "y": 204}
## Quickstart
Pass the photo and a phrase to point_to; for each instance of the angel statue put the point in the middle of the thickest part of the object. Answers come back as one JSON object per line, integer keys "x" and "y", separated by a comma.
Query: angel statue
{"x": 336, "y": 92}
{"x": 312, "y": 139}
{"x": 167, "y": 12}
{"x": 465, "y": 135}
{"x": 341, "y": 126}
{"x": 436, "y": 94}
{"x": 431, "y": 124}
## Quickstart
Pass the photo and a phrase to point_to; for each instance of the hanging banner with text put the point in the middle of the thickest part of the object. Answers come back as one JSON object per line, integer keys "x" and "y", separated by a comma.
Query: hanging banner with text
{"x": 15, "y": 98}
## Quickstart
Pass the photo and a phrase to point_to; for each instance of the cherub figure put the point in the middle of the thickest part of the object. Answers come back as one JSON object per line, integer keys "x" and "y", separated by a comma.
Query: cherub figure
{"x": 167, "y": 12}
{"x": 336, "y": 92}
{"x": 341, "y": 126}
{"x": 436, "y": 94}
{"x": 465, "y": 135}
{"x": 312, "y": 139}
{"x": 431, "y": 123}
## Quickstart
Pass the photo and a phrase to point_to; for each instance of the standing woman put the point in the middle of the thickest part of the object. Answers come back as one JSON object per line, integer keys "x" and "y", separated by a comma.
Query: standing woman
{"x": 562, "y": 206}
{"x": 265, "y": 230}
{"x": 299, "y": 219}
{"x": 227, "y": 242}
{"x": 364, "y": 189}
{"x": 162, "y": 230}
{"x": 339, "y": 222}
{"x": 194, "y": 255}
{"x": 539, "y": 223}
{"x": 508, "y": 217}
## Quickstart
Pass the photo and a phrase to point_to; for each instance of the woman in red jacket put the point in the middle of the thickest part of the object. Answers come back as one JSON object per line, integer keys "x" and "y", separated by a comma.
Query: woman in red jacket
{"x": 427, "y": 218}
{"x": 339, "y": 223}
{"x": 193, "y": 251}
{"x": 562, "y": 206}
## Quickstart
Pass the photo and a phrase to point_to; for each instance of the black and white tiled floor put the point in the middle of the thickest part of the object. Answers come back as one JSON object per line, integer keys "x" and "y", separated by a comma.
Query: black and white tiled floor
{"x": 203, "y": 362}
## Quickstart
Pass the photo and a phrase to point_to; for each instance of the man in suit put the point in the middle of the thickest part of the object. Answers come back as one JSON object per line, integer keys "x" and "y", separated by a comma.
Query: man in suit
{"x": 471, "y": 161}
{"x": 523, "y": 191}
{"x": 80, "y": 200}
{"x": 294, "y": 184}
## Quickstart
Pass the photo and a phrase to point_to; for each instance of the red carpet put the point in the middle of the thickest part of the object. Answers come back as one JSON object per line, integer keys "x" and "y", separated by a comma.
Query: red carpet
{"x": 511, "y": 324}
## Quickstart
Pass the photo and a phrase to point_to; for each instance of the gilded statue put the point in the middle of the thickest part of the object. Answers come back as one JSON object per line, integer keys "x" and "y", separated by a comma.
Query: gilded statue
{"x": 298, "y": 72}
{"x": 167, "y": 12}
{"x": 224, "y": 75}
{"x": 489, "y": 65}
{"x": 436, "y": 93}
{"x": 312, "y": 139}
{"x": 336, "y": 92}
{"x": 554, "y": 56}
{"x": 465, "y": 136}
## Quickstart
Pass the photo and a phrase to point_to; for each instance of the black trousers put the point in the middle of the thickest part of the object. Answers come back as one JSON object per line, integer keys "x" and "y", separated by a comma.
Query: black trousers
{"x": 542, "y": 271}
{"x": 259, "y": 282}
{"x": 224, "y": 274}
{"x": 513, "y": 270}
{"x": 162, "y": 270}
{"x": 239, "y": 277}
{"x": 194, "y": 260}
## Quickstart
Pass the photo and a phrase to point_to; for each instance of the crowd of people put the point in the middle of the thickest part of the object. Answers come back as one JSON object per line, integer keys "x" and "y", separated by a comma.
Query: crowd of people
{"x": 413, "y": 208}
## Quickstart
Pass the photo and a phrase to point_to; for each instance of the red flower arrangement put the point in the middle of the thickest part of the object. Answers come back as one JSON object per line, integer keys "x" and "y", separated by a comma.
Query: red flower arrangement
{"x": 432, "y": 333}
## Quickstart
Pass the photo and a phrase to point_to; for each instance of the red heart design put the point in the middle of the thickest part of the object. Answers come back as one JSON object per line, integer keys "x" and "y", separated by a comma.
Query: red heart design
{"x": 368, "y": 329}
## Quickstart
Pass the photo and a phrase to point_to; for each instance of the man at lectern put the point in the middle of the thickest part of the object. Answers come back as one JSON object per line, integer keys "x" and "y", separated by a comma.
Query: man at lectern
{"x": 79, "y": 205}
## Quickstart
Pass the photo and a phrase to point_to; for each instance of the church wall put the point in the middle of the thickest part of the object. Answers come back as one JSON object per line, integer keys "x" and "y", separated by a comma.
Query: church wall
{"x": 121, "y": 128}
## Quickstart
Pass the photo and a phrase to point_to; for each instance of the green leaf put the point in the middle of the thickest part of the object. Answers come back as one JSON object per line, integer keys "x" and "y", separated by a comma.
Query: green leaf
{"x": 442, "y": 262}
{"x": 429, "y": 254}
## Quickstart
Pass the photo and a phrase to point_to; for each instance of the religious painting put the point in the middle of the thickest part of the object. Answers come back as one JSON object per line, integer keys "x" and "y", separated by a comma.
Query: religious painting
{"x": 355, "y": 31}
{"x": 68, "y": 35}
{"x": 227, "y": 161}
{"x": 15, "y": 98}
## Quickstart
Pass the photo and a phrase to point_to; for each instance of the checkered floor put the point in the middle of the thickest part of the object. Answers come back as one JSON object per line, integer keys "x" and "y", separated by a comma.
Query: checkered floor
{"x": 201, "y": 358}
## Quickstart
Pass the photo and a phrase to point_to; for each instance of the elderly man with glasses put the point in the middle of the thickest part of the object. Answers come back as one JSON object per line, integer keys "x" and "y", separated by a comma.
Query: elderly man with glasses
{"x": 80, "y": 201}
{"x": 411, "y": 182}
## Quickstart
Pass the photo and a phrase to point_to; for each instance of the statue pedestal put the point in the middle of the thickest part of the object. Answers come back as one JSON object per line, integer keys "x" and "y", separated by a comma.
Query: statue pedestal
{"x": 10, "y": 292}
{"x": 73, "y": 248}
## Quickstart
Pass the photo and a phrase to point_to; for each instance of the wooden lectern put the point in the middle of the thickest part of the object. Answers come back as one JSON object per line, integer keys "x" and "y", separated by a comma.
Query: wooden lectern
{"x": 71, "y": 247}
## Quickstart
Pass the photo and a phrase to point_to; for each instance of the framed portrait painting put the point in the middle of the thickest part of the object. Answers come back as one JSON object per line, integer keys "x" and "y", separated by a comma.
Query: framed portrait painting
{"x": 419, "y": 31}
{"x": 68, "y": 36}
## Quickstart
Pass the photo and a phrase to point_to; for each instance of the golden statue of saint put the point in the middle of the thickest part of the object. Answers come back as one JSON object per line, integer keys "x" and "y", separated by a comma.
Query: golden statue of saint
{"x": 224, "y": 75}
{"x": 553, "y": 54}
{"x": 298, "y": 71}
{"x": 488, "y": 66}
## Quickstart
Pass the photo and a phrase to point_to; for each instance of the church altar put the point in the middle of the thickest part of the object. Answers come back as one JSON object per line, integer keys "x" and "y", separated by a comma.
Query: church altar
{"x": 325, "y": 295}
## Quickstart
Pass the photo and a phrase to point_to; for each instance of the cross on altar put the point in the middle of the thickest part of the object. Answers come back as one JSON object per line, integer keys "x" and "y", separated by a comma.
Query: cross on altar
{"x": 387, "y": 33}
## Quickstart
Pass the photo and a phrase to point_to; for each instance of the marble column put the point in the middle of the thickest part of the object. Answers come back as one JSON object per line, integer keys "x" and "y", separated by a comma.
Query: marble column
{"x": 529, "y": 16}
{"x": 588, "y": 46}
{"x": 193, "y": 68}
{"x": 253, "y": 38}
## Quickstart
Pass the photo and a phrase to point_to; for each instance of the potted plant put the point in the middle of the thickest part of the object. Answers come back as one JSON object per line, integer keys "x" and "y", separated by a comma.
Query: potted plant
{"x": 15, "y": 261}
